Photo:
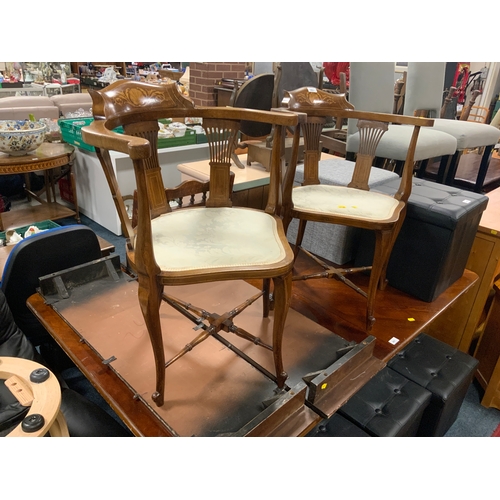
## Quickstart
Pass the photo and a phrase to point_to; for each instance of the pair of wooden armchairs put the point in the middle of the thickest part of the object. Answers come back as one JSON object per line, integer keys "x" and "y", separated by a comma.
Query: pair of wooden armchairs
{"x": 218, "y": 242}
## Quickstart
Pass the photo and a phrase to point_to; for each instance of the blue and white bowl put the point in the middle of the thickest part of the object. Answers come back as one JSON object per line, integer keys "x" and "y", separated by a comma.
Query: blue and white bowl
{"x": 21, "y": 137}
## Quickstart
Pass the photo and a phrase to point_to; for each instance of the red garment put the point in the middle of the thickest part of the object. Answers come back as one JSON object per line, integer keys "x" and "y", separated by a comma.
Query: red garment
{"x": 333, "y": 70}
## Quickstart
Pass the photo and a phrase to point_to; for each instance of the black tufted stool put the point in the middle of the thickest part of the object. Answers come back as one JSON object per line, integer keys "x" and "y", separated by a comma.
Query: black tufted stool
{"x": 387, "y": 405}
{"x": 444, "y": 371}
{"x": 435, "y": 241}
{"x": 337, "y": 426}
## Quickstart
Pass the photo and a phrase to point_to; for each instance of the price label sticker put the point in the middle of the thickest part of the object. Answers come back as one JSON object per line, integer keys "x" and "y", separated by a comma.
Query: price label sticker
{"x": 393, "y": 341}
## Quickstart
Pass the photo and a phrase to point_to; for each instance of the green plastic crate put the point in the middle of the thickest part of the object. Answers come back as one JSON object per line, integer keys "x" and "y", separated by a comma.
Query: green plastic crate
{"x": 71, "y": 131}
{"x": 188, "y": 138}
{"x": 43, "y": 225}
{"x": 201, "y": 139}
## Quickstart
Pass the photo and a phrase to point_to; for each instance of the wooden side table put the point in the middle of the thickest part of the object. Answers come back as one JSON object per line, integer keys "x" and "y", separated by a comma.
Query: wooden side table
{"x": 488, "y": 354}
{"x": 46, "y": 157}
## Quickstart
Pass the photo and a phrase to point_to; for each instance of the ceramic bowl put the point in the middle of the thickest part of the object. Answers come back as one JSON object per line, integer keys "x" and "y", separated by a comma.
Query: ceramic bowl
{"x": 21, "y": 137}
{"x": 178, "y": 129}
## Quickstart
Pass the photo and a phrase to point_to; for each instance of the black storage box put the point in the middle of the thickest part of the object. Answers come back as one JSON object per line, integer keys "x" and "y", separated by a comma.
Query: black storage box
{"x": 435, "y": 241}
{"x": 337, "y": 426}
{"x": 444, "y": 371}
{"x": 388, "y": 405}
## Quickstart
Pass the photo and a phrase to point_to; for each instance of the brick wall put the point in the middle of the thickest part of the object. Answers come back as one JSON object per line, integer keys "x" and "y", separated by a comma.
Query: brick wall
{"x": 203, "y": 77}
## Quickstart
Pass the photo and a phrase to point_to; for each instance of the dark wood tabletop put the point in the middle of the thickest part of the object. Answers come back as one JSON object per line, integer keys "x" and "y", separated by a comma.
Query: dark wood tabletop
{"x": 318, "y": 306}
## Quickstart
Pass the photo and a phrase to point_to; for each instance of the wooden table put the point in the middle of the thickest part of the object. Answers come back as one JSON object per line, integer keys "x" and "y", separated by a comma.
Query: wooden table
{"x": 48, "y": 156}
{"x": 462, "y": 326}
{"x": 319, "y": 307}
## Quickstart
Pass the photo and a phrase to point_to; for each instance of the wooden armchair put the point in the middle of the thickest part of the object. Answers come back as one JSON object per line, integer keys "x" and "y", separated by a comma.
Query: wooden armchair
{"x": 215, "y": 242}
{"x": 354, "y": 205}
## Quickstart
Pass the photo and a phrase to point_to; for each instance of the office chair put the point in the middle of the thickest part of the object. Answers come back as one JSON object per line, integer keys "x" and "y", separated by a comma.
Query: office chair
{"x": 38, "y": 255}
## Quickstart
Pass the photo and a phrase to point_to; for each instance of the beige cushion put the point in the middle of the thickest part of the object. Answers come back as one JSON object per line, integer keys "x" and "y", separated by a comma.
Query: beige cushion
{"x": 23, "y": 113}
{"x": 394, "y": 144}
{"x": 204, "y": 238}
{"x": 20, "y": 107}
{"x": 468, "y": 134}
{"x": 348, "y": 202}
{"x": 25, "y": 101}
{"x": 68, "y": 103}
{"x": 334, "y": 242}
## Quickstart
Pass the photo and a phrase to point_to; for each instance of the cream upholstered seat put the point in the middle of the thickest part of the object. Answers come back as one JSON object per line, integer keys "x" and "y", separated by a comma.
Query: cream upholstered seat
{"x": 334, "y": 242}
{"x": 344, "y": 201}
{"x": 432, "y": 143}
{"x": 372, "y": 89}
{"x": 199, "y": 244}
{"x": 353, "y": 205}
{"x": 469, "y": 135}
{"x": 215, "y": 238}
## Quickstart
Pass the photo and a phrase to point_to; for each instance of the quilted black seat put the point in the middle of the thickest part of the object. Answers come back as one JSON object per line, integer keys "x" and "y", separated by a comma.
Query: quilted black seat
{"x": 388, "y": 405}
{"x": 435, "y": 241}
{"x": 444, "y": 371}
{"x": 337, "y": 426}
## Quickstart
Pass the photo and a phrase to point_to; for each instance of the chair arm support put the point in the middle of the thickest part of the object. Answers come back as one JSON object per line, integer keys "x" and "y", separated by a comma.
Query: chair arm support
{"x": 96, "y": 134}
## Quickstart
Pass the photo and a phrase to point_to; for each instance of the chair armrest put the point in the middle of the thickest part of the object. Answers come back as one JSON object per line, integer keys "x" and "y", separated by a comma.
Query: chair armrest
{"x": 96, "y": 134}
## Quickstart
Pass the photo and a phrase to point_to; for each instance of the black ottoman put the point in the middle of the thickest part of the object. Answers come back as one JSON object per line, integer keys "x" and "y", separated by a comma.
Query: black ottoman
{"x": 435, "y": 241}
{"x": 388, "y": 405}
{"x": 444, "y": 371}
{"x": 337, "y": 426}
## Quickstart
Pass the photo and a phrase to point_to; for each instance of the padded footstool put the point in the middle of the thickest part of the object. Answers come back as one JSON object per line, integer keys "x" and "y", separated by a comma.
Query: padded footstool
{"x": 337, "y": 426}
{"x": 442, "y": 370}
{"x": 435, "y": 241}
{"x": 388, "y": 405}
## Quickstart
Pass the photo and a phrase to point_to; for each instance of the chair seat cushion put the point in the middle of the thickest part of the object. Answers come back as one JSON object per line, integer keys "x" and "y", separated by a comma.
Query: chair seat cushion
{"x": 340, "y": 200}
{"x": 204, "y": 238}
{"x": 468, "y": 134}
{"x": 394, "y": 144}
{"x": 334, "y": 242}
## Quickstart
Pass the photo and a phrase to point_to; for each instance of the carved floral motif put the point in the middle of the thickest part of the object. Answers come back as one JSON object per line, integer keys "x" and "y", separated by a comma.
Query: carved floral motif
{"x": 308, "y": 97}
{"x": 165, "y": 96}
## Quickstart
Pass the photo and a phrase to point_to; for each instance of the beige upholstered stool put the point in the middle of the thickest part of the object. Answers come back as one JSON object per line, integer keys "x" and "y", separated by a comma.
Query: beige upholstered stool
{"x": 469, "y": 135}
